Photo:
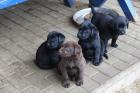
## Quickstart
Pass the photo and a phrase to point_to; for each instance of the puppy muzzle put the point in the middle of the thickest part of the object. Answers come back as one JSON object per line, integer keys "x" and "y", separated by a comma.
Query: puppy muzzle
{"x": 122, "y": 33}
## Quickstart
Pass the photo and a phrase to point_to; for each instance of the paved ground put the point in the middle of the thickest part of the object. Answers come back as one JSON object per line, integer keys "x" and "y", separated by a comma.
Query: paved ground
{"x": 24, "y": 27}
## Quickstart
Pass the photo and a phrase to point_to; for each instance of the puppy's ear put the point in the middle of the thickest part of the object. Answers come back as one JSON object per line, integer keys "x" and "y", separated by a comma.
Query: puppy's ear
{"x": 61, "y": 50}
{"x": 52, "y": 33}
{"x": 77, "y": 50}
{"x": 79, "y": 33}
{"x": 90, "y": 27}
{"x": 61, "y": 37}
{"x": 112, "y": 24}
{"x": 94, "y": 32}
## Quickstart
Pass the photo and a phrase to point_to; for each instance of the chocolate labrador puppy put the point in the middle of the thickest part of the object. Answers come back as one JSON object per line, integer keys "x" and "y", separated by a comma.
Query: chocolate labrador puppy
{"x": 72, "y": 63}
{"x": 47, "y": 55}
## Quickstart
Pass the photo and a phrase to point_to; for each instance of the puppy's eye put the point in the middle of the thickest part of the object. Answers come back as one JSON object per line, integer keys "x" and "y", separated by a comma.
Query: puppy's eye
{"x": 87, "y": 32}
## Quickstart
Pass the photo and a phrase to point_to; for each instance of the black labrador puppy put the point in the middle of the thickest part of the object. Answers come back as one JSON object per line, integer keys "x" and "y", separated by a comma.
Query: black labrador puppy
{"x": 47, "y": 55}
{"x": 110, "y": 26}
{"x": 110, "y": 12}
{"x": 89, "y": 40}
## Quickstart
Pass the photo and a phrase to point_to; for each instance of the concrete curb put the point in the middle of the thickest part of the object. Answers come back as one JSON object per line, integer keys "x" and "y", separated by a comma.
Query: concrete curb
{"x": 120, "y": 81}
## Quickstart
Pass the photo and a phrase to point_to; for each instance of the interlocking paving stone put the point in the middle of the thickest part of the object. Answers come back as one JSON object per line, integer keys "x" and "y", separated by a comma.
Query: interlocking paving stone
{"x": 121, "y": 65}
{"x": 55, "y": 79}
{"x": 59, "y": 87}
{"x": 136, "y": 53}
{"x": 3, "y": 39}
{"x": 112, "y": 59}
{"x": 7, "y": 57}
{"x": 18, "y": 81}
{"x": 100, "y": 78}
{"x": 90, "y": 71}
{"x": 53, "y": 89}
{"x": 2, "y": 65}
{"x": 78, "y": 89}
{"x": 31, "y": 89}
{"x": 38, "y": 80}
{"x": 90, "y": 84}
{"x": 17, "y": 19}
{"x": 124, "y": 56}
{"x": 108, "y": 69}
{"x": 17, "y": 68}
{"x": 132, "y": 41}
{"x": 8, "y": 89}
{"x": 126, "y": 47}
{"x": 3, "y": 81}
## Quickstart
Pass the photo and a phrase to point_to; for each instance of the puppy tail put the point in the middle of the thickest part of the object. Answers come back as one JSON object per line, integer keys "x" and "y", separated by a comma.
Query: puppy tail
{"x": 105, "y": 55}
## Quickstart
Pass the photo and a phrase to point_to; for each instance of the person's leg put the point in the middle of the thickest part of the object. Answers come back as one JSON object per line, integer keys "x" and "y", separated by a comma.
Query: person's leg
{"x": 96, "y": 3}
{"x": 70, "y": 3}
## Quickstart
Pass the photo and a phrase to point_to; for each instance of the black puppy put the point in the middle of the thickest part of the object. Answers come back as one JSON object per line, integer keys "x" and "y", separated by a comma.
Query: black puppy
{"x": 89, "y": 40}
{"x": 110, "y": 12}
{"x": 110, "y": 26}
{"x": 47, "y": 55}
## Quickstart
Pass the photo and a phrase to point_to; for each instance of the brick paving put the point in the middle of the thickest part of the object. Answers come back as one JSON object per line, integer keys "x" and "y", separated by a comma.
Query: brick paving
{"x": 24, "y": 27}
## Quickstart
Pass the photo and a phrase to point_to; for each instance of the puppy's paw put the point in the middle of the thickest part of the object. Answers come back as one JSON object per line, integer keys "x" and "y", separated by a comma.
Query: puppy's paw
{"x": 96, "y": 63}
{"x": 101, "y": 60}
{"x": 106, "y": 56}
{"x": 79, "y": 82}
{"x": 66, "y": 84}
{"x": 106, "y": 51}
{"x": 114, "y": 45}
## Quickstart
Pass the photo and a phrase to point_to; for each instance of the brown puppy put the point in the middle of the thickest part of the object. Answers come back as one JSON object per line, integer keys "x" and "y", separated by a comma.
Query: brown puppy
{"x": 72, "y": 63}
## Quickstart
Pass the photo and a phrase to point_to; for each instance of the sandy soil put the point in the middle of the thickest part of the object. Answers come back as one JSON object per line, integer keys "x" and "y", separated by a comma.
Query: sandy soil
{"x": 134, "y": 88}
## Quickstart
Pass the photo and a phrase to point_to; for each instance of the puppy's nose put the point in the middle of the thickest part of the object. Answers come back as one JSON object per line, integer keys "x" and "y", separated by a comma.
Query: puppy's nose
{"x": 83, "y": 35}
